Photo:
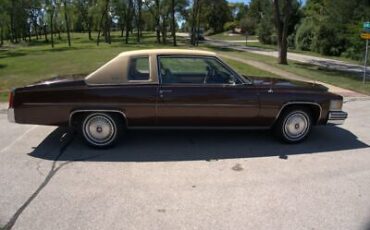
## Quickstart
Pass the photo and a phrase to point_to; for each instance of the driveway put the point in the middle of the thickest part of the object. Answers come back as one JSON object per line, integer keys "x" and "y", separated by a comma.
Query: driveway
{"x": 187, "y": 179}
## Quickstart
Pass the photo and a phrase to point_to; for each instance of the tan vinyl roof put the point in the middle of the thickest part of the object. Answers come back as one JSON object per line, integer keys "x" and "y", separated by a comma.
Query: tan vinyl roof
{"x": 116, "y": 70}
{"x": 167, "y": 52}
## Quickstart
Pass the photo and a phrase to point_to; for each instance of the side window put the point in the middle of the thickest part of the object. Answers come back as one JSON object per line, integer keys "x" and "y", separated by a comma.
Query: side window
{"x": 194, "y": 70}
{"x": 139, "y": 68}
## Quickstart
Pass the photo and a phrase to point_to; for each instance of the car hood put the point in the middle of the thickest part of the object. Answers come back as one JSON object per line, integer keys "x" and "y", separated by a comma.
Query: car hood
{"x": 278, "y": 83}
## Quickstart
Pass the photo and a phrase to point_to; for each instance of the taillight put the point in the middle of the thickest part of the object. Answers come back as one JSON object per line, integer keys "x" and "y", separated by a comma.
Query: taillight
{"x": 11, "y": 99}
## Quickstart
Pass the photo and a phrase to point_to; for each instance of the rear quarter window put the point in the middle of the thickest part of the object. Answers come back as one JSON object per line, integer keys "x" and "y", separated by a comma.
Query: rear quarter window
{"x": 139, "y": 68}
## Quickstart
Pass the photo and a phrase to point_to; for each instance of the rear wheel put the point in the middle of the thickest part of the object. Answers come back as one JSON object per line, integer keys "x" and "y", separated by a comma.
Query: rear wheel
{"x": 101, "y": 130}
{"x": 294, "y": 125}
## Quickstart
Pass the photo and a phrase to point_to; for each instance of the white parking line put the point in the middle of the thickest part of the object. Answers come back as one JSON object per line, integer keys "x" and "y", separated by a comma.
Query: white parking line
{"x": 18, "y": 139}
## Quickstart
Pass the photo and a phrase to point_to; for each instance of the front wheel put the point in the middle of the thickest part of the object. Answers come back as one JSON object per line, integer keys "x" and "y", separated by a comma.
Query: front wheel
{"x": 294, "y": 125}
{"x": 100, "y": 130}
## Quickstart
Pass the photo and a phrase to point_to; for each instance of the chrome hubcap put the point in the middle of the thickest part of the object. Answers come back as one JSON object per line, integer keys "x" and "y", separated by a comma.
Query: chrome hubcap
{"x": 99, "y": 129}
{"x": 296, "y": 125}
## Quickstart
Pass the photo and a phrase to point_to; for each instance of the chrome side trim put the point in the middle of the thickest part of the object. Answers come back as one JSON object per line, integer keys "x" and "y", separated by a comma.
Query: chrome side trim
{"x": 199, "y": 128}
{"x": 96, "y": 110}
{"x": 337, "y": 117}
{"x": 299, "y": 103}
{"x": 11, "y": 116}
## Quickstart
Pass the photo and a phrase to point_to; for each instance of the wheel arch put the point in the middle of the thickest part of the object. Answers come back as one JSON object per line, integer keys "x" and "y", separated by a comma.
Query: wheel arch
{"x": 78, "y": 113}
{"x": 314, "y": 107}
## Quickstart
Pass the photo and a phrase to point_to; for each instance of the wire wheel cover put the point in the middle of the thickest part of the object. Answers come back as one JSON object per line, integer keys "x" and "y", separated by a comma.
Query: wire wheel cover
{"x": 99, "y": 129}
{"x": 296, "y": 125}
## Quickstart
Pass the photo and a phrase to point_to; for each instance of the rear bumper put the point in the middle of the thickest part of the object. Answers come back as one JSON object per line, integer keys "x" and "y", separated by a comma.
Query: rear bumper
{"x": 11, "y": 117}
{"x": 337, "y": 117}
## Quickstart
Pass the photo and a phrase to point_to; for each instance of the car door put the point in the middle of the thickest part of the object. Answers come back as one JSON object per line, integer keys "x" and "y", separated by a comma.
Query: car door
{"x": 203, "y": 91}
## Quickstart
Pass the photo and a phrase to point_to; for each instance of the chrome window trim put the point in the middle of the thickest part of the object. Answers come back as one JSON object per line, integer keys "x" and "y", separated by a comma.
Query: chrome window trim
{"x": 97, "y": 110}
{"x": 299, "y": 103}
{"x": 235, "y": 74}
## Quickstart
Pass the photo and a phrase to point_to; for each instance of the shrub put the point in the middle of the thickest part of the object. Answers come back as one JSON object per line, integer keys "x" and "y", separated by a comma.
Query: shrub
{"x": 230, "y": 26}
{"x": 304, "y": 35}
{"x": 327, "y": 41}
{"x": 248, "y": 24}
{"x": 265, "y": 32}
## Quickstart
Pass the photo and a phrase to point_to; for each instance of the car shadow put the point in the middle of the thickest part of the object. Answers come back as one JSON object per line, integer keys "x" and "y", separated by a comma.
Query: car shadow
{"x": 162, "y": 145}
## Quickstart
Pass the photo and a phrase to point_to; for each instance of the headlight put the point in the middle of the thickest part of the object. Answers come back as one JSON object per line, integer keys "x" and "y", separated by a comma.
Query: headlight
{"x": 336, "y": 105}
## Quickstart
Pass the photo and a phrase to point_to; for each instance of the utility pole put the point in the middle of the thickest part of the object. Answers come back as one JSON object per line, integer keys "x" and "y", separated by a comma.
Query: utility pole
{"x": 365, "y": 64}
{"x": 366, "y": 35}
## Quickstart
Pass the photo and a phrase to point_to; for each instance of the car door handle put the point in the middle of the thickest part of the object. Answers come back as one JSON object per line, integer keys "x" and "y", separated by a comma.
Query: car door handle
{"x": 165, "y": 91}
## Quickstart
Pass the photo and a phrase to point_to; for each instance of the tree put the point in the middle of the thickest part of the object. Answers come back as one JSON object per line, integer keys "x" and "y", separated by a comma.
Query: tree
{"x": 129, "y": 13}
{"x": 154, "y": 8}
{"x": 216, "y": 14}
{"x": 173, "y": 22}
{"x": 104, "y": 15}
{"x": 194, "y": 20}
{"x": 85, "y": 9}
{"x": 50, "y": 8}
{"x": 67, "y": 22}
{"x": 138, "y": 9}
{"x": 282, "y": 12}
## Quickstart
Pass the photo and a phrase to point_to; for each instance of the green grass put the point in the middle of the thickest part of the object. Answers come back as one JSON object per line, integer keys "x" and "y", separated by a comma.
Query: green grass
{"x": 24, "y": 64}
{"x": 341, "y": 79}
{"x": 248, "y": 70}
{"x": 4, "y": 96}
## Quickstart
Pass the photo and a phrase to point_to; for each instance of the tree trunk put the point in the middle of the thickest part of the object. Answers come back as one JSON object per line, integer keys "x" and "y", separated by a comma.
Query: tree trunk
{"x": 46, "y": 34}
{"x": 107, "y": 29}
{"x": 67, "y": 23}
{"x": 37, "y": 34}
{"x": 128, "y": 20}
{"x": 194, "y": 20}
{"x": 89, "y": 27}
{"x": 127, "y": 34}
{"x": 51, "y": 28}
{"x": 101, "y": 21}
{"x": 164, "y": 31}
{"x": 173, "y": 23}
{"x": 281, "y": 23}
{"x": 1, "y": 36}
{"x": 12, "y": 24}
{"x": 198, "y": 26}
{"x": 29, "y": 33}
{"x": 122, "y": 29}
{"x": 157, "y": 21}
{"x": 138, "y": 20}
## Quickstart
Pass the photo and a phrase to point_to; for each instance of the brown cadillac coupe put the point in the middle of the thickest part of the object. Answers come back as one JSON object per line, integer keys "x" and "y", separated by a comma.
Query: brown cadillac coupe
{"x": 174, "y": 89}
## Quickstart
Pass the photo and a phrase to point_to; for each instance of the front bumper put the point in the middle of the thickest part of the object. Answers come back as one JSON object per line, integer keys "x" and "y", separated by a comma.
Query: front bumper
{"x": 337, "y": 117}
{"x": 11, "y": 117}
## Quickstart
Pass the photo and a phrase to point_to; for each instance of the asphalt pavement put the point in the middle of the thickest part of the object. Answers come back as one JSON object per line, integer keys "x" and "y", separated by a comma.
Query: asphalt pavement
{"x": 187, "y": 179}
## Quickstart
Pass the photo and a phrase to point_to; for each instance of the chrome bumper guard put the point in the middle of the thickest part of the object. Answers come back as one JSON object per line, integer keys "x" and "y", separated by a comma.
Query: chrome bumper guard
{"x": 337, "y": 117}
{"x": 11, "y": 117}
